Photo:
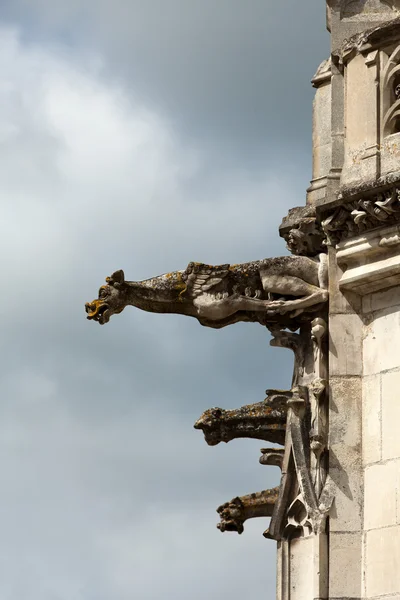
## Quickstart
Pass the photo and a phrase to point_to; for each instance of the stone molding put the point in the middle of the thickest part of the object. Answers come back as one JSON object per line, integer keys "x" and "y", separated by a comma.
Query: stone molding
{"x": 361, "y": 215}
{"x": 370, "y": 262}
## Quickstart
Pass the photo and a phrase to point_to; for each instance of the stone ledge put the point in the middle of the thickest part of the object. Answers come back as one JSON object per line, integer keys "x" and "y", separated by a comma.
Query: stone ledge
{"x": 371, "y": 262}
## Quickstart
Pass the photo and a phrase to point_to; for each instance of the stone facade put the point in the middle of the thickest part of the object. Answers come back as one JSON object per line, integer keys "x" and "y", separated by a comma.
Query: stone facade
{"x": 354, "y": 190}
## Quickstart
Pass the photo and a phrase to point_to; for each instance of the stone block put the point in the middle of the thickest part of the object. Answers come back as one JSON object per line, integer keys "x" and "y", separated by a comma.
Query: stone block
{"x": 382, "y": 299}
{"x": 347, "y": 509}
{"x": 391, "y": 414}
{"x": 381, "y": 348}
{"x": 380, "y": 495}
{"x": 345, "y": 464}
{"x": 345, "y": 344}
{"x": 340, "y": 302}
{"x": 371, "y": 420}
{"x": 345, "y": 418}
{"x": 382, "y": 560}
{"x": 345, "y": 573}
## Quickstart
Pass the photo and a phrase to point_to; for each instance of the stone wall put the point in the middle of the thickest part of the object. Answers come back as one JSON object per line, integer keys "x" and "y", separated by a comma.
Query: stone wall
{"x": 381, "y": 443}
{"x": 364, "y": 415}
{"x": 345, "y": 439}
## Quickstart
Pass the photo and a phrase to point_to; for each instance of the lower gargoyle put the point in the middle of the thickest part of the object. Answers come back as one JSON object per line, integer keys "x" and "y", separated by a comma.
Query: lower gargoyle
{"x": 264, "y": 420}
{"x": 234, "y": 513}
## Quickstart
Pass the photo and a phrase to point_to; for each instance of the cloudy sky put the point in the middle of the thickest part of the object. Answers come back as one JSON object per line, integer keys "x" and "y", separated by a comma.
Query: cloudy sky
{"x": 139, "y": 134}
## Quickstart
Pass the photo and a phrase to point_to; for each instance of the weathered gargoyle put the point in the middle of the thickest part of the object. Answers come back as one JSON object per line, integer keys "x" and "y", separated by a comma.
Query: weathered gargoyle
{"x": 264, "y": 420}
{"x": 234, "y": 513}
{"x": 258, "y": 291}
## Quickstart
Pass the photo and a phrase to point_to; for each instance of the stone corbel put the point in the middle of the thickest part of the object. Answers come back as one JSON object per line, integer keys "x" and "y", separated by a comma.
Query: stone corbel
{"x": 272, "y": 457}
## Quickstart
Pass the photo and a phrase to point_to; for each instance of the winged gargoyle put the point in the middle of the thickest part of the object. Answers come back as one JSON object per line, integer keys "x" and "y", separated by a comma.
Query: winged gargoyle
{"x": 233, "y": 514}
{"x": 264, "y": 420}
{"x": 258, "y": 291}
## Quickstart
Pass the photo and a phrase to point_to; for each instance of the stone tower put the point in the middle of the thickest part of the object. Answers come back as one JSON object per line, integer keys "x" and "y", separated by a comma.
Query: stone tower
{"x": 355, "y": 190}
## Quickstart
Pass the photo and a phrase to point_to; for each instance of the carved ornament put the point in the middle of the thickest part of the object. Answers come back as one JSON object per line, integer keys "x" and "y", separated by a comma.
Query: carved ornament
{"x": 358, "y": 216}
{"x": 274, "y": 290}
{"x": 302, "y": 232}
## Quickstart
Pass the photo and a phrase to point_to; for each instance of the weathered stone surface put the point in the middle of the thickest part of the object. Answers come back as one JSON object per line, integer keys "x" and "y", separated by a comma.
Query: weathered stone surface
{"x": 302, "y": 232}
{"x": 222, "y": 295}
{"x": 322, "y": 133}
{"x": 272, "y": 457}
{"x": 361, "y": 123}
{"x": 371, "y": 420}
{"x": 345, "y": 566}
{"x": 345, "y": 467}
{"x": 345, "y": 344}
{"x": 370, "y": 263}
{"x": 345, "y": 407}
{"x": 380, "y": 300}
{"x": 262, "y": 421}
{"x": 381, "y": 348}
{"x": 235, "y": 513}
{"x": 340, "y": 301}
{"x": 357, "y": 23}
{"x": 346, "y": 512}
{"x": 362, "y": 212}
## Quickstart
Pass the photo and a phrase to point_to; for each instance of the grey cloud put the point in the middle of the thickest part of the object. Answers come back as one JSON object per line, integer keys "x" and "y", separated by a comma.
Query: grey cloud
{"x": 233, "y": 76}
{"x": 108, "y": 491}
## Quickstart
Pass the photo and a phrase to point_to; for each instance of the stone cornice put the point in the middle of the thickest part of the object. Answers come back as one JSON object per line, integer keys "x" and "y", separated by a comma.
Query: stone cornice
{"x": 360, "y": 210}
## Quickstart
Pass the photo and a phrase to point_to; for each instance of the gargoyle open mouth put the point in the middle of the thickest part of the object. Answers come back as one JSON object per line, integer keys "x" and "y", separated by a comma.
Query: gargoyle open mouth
{"x": 230, "y": 525}
{"x": 213, "y": 438}
{"x": 98, "y": 311}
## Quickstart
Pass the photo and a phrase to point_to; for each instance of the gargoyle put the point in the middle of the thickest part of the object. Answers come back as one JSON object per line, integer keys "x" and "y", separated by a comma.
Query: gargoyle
{"x": 217, "y": 296}
{"x": 264, "y": 420}
{"x": 234, "y": 513}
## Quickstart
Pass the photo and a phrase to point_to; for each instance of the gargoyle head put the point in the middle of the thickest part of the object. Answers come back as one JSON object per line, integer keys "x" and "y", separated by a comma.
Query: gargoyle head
{"x": 212, "y": 423}
{"x": 111, "y": 300}
{"x": 232, "y": 516}
{"x": 264, "y": 421}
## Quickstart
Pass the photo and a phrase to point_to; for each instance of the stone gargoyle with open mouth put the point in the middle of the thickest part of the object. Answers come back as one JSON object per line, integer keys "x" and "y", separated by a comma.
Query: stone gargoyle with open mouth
{"x": 259, "y": 291}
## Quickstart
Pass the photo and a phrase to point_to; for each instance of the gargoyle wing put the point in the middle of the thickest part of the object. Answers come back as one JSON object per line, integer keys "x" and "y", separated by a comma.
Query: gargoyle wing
{"x": 200, "y": 278}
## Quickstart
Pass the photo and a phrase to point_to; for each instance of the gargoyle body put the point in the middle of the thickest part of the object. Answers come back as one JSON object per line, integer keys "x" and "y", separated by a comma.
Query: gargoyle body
{"x": 233, "y": 514}
{"x": 259, "y": 291}
{"x": 264, "y": 420}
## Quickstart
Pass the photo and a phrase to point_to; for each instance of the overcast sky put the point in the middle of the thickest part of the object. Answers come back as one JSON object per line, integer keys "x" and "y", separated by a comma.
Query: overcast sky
{"x": 139, "y": 134}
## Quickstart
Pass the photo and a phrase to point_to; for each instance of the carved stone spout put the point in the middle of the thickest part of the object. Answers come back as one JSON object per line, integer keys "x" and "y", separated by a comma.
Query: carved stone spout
{"x": 263, "y": 421}
{"x": 272, "y": 290}
{"x": 234, "y": 513}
